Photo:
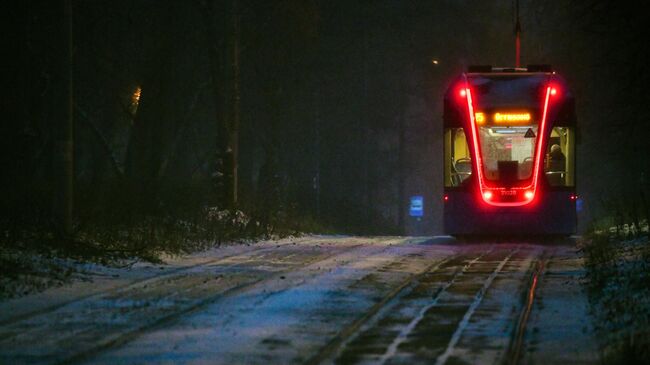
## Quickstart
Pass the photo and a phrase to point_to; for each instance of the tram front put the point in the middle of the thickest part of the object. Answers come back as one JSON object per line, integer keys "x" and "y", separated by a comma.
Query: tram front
{"x": 509, "y": 153}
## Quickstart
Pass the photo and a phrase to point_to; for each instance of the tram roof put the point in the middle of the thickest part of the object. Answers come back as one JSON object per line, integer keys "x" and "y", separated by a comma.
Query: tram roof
{"x": 528, "y": 69}
{"x": 565, "y": 114}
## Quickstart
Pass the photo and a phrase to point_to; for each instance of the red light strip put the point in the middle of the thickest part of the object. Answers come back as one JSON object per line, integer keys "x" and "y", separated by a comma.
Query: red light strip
{"x": 540, "y": 144}
{"x": 479, "y": 161}
{"x": 477, "y": 152}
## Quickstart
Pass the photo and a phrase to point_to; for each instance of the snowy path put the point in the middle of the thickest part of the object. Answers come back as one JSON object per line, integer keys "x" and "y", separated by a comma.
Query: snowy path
{"x": 387, "y": 300}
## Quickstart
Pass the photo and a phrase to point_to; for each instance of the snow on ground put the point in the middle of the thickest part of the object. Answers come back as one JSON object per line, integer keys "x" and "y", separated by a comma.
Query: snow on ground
{"x": 285, "y": 320}
{"x": 86, "y": 279}
{"x": 560, "y": 330}
{"x": 291, "y": 300}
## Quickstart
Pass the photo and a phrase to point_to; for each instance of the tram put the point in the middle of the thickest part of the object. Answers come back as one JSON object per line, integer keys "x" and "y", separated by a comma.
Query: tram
{"x": 509, "y": 153}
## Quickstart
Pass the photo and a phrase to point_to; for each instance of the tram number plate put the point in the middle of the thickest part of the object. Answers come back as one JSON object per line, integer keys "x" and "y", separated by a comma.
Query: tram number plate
{"x": 508, "y": 192}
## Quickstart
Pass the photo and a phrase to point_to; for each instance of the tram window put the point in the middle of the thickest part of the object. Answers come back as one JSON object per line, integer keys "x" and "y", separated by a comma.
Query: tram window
{"x": 507, "y": 145}
{"x": 559, "y": 164}
{"x": 458, "y": 163}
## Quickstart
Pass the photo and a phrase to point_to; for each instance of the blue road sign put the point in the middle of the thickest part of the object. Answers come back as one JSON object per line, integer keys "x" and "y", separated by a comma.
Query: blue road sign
{"x": 417, "y": 206}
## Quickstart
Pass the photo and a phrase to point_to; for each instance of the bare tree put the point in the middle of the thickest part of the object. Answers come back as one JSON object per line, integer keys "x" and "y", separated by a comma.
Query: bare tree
{"x": 225, "y": 77}
{"x": 64, "y": 163}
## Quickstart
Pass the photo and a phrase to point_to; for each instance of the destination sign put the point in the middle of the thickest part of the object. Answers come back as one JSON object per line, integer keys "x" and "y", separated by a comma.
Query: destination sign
{"x": 504, "y": 118}
{"x": 511, "y": 117}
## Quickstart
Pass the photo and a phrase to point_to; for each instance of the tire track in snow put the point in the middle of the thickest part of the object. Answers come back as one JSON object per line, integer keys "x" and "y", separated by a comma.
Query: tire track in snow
{"x": 133, "y": 330}
{"x": 137, "y": 282}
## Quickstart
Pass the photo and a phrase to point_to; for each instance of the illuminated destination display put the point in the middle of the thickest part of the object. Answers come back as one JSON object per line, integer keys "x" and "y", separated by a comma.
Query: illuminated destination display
{"x": 504, "y": 118}
{"x": 511, "y": 117}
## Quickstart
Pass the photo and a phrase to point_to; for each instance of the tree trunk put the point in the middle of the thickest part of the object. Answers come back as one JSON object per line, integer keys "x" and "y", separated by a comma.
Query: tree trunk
{"x": 365, "y": 129}
{"x": 225, "y": 74}
{"x": 317, "y": 147}
{"x": 401, "y": 182}
{"x": 233, "y": 133}
{"x": 64, "y": 169}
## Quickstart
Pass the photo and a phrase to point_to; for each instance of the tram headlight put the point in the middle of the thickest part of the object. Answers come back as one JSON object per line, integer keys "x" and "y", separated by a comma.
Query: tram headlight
{"x": 487, "y": 195}
{"x": 529, "y": 194}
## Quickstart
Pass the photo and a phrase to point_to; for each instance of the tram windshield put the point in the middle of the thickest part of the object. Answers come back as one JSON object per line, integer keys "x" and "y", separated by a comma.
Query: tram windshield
{"x": 507, "y": 148}
{"x": 507, "y": 115}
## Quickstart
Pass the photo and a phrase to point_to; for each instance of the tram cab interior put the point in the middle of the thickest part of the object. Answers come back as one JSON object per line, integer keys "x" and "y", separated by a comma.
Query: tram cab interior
{"x": 559, "y": 165}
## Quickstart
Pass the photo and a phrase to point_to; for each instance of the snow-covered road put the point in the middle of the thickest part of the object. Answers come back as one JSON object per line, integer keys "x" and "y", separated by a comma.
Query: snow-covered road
{"x": 319, "y": 299}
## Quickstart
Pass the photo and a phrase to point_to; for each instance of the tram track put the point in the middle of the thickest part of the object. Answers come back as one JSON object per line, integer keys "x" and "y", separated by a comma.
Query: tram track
{"x": 134, "y": 283}
{"x": 470, "y": 311}
{"x": 351, "y": 290}
{"x": 157, "y": 277}
{"x": 392, "y": 349}
{"x": 346, "y": 304}
{"x": 344, "y": 335}
{"x": 516, "y": 346}
{"x": 514, "y": 352}
{"x": 398, "y": 348}
{"x": 107, "y": 340}
{"x": 333, "y": 349}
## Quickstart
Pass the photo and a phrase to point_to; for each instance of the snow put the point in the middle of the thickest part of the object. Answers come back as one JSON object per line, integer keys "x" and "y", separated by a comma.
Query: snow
{"x": 285, "y": 301}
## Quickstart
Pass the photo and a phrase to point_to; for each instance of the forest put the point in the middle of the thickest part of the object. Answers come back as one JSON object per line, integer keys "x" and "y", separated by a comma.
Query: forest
{"x": 171, "y": 124}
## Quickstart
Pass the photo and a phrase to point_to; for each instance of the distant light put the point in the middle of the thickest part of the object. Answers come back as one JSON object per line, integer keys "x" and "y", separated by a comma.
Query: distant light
{"x": 480, "y": 118}
{"x": 529, "y": 194}
{"x": 463, "y": 93}
{"x": 446, "y": 198}
{"x": 434, "y": 61}
{"x": 487, "y": 195}
{"x": 135, "y": 100}
{"x": 573, "y": 197}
